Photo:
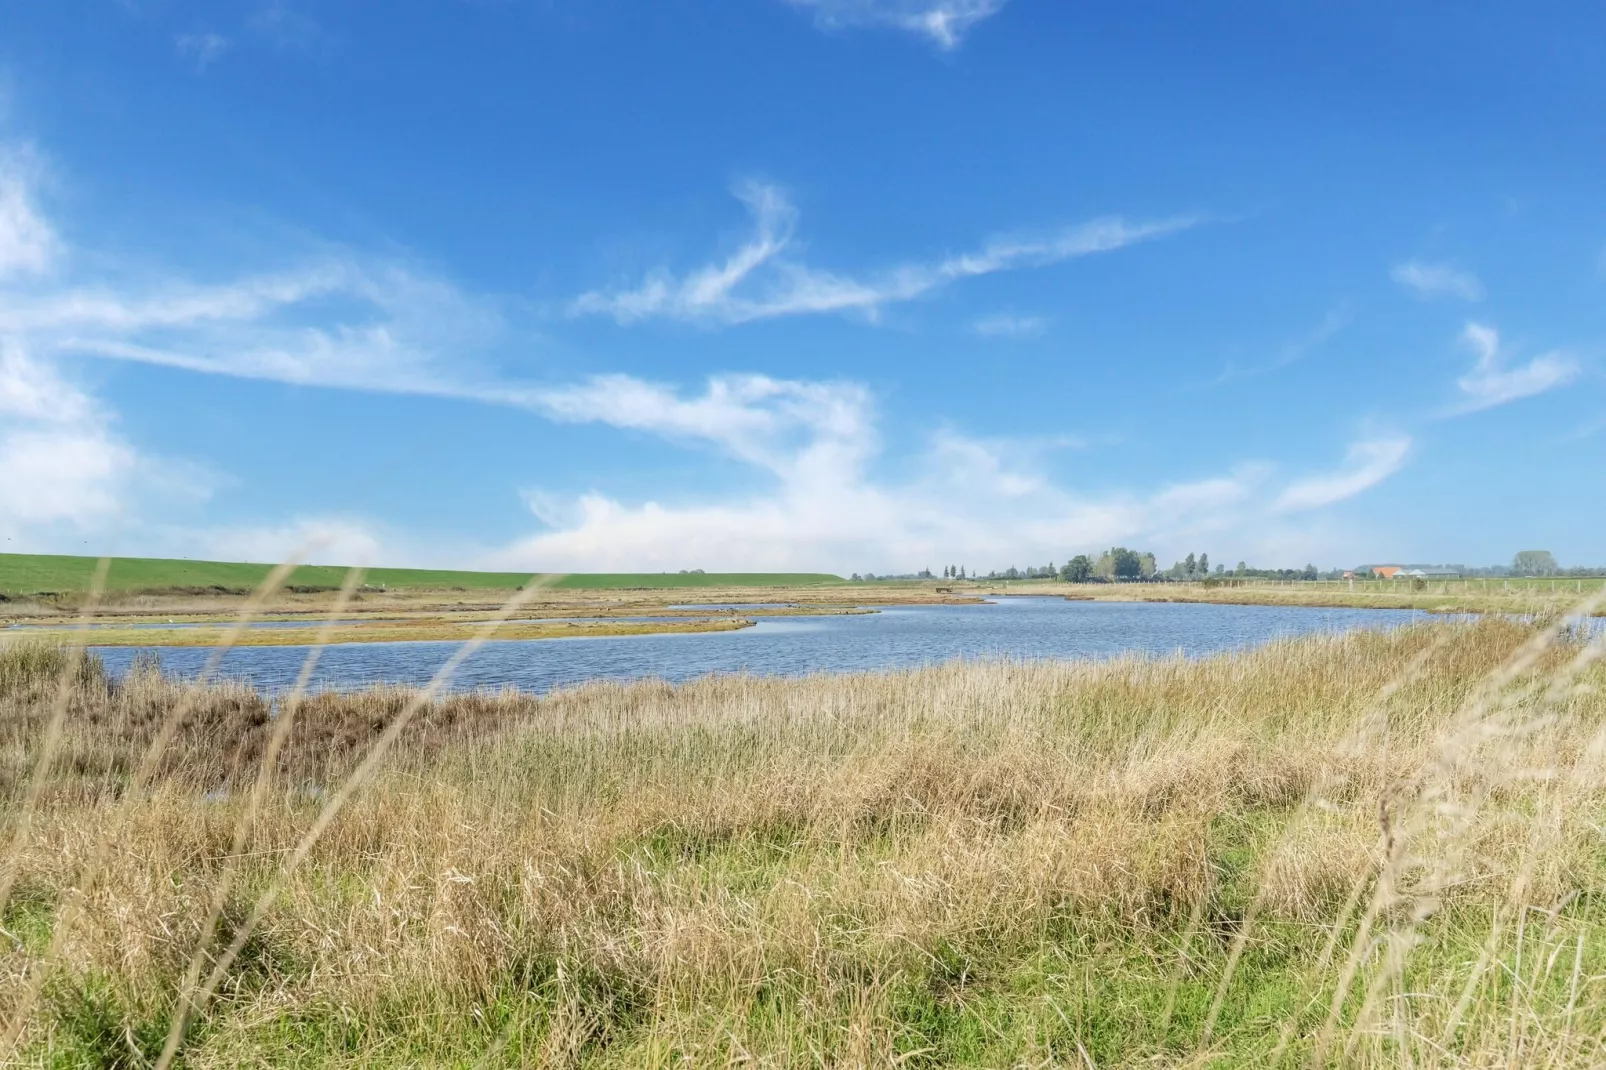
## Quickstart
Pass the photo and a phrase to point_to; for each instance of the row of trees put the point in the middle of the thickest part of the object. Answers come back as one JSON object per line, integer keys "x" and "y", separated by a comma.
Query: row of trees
{"x": 1309, "y": 572}
{"x": 1119, "y": 564}
{"x": 1524, "y": 563}
{"x": 1030, "y": 572}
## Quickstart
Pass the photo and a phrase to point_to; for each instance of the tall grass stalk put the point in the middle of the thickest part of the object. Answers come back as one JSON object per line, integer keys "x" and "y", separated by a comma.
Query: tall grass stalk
{"x": 353, "y": 784}
{"x": 71, "y": 678}
{"x": 189, "y": 1002}
{"x": 147, "y": 767}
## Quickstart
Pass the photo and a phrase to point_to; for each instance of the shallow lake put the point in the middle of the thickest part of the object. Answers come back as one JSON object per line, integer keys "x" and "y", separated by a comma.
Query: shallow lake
{"x": 895, "y": 637}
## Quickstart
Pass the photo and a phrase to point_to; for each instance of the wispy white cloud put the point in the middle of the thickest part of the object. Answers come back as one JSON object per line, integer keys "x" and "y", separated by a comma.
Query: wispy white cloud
{"x": 57, "y": 462}
{"x": 163, "y": 304}
{"x": 201, "y": 49}
{"x": 760, "y": 281}
{"x": 28, "y": 243}
{"x": 1009, "y": 325}
{"x": 1428, "y": 281}
{"x": 319, "y": 539}
{"x": 338, "y": 321}
{"x": 349, "y": 321}
{"x": 51, "y": 475}
{"x": 786, "y": 426}
{"x": 1002, "y": 465}
{"x": 36, "y": 392}
{"x": 1369, "y": 462}
{"x": 1491, "y": 382}
{"x": 1213, "y": 493}
{"x": 986, "y": 502}
{"x": 943, "y": 22}
{"x": 63, "y": 466}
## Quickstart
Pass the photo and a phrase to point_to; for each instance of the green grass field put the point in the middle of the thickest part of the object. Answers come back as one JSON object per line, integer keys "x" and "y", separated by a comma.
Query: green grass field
{"x": 28, "y": 574}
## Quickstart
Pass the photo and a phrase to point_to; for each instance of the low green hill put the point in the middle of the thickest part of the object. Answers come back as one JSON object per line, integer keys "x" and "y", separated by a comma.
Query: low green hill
{"x": 28, "y": 574}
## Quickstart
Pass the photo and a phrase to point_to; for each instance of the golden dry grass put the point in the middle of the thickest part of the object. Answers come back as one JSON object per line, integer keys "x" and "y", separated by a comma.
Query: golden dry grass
{"x": 471, "y": 605}
{"x": 437, "y": 629}
{"x": 1369, "y": 850}
{"x": 1525, "y": 597}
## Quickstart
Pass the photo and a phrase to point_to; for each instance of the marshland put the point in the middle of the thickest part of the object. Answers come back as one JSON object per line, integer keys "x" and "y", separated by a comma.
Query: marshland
{"x": 802, "y": 534}
{"x": 1369, "y": 848}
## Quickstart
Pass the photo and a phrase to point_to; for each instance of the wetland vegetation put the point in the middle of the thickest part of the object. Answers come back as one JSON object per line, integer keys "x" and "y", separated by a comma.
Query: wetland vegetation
{"x": 1368, "y": 849}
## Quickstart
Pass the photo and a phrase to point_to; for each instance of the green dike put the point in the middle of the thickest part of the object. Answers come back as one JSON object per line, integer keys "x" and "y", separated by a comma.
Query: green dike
{"x": 26, "y": 574}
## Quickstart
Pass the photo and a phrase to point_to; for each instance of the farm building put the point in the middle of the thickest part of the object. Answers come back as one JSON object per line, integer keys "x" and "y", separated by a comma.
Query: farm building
{"x": 1404, "y": 572}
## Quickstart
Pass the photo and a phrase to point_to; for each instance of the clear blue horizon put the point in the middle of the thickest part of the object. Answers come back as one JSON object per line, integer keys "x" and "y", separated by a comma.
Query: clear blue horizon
{"x": 797, "y": 285}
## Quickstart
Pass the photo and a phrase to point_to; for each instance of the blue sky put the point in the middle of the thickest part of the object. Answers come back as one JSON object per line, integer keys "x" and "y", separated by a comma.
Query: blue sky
{"x": 802, "y": 284}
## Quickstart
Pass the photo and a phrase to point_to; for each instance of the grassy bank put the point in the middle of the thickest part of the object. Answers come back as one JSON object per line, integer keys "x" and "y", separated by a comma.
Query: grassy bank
{"x": 390, "y": 631}
{"x": 433, "y": 613}
{"x": 1524, "y": 595}
{"x": 1361, "y": 850}
{"x": 23, "y": 575}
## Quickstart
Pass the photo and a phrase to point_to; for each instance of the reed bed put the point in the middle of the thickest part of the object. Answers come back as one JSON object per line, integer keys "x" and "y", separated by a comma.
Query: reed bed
{"x": 1375, "y": 849}
{"x": 1522, "y": 597}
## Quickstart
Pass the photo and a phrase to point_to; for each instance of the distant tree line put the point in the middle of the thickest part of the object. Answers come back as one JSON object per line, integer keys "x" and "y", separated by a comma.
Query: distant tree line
{"x": 1119, "y": 564}
{"x": 1030, "y": 572}
{"x": 1525, "y": 563}
{"x": 1243, "y": 571}
{"x": 1540, "y": 563}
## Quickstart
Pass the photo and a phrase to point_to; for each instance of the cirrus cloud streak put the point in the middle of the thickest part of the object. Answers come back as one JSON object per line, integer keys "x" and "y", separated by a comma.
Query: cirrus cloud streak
{"x": 762, "y": 280}
{"x": 1492, "y": 381}
{"x": 1369, "y": 462}
{"x": 1428, "y": 281}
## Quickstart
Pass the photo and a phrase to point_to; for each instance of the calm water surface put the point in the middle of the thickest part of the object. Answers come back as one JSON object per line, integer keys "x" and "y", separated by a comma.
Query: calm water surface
{"x": 896, "y": 637}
